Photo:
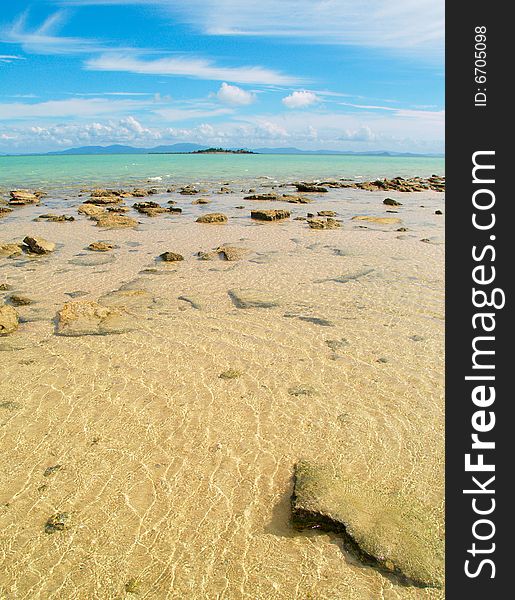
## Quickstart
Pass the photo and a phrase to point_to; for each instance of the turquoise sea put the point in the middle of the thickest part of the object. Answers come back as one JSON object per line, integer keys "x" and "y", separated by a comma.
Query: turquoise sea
{"x": 72, "y": 171}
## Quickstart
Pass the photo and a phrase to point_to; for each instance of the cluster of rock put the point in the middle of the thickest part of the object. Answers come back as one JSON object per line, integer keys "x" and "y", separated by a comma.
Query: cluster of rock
{"x": 270, "y": 215}
{"x": 398, "y": 184}
{"x": 23, "y": 197}
{"x": 29, "y": 245}
{"x": 225, "y": 252}
{"x": 272, "y": 197}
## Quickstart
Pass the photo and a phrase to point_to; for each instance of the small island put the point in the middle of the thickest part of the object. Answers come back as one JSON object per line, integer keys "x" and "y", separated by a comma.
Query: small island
{"x": 221, "y": 151}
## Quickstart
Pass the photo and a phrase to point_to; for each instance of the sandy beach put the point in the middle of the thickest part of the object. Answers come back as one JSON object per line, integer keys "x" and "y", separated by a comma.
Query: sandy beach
{"x": 167, "y": 449}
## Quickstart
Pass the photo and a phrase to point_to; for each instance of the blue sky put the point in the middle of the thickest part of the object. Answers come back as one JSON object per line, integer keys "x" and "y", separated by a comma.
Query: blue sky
{"x": 333, "y": 74}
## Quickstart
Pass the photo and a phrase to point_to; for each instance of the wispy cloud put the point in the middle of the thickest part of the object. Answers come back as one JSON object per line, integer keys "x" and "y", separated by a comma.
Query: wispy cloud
{"x": 9, "y": 58}
{"x": 73, "y": 107}
{"x": 414, "y": 26}
{"x": 185, "y": 66}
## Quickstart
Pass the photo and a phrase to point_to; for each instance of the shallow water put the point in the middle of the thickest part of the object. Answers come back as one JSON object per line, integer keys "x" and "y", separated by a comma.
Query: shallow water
{"x": 179, "y": 478}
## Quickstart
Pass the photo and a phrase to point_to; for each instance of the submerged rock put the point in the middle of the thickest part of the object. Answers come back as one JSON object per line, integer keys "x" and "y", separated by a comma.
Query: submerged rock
{"x": 38, "y": 245}
{"x": 4, "y": 211}
{"x": 392, "y": 532}
{"x": 249, "y": 298}
{"x": 85, "y": 317}
{"x": 380, "y": 220}
{"x": 18, "y": 300}
{"x": 270, "y": 215}
{"x": 57, "y": 218}
{"x": 230, "y": 253}
{"x": 8, "y": 319}
{"x": 57, "y": 522}
{"x": 212, "y": 218}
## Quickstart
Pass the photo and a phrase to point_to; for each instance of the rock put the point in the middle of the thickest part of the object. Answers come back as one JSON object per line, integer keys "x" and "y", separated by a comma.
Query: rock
{"x": 8, "y": 250}
{"x": 393, "y": 532}
{"x": 230, "y": 253}
{"x": 91, "y": 210}
{"x": 293, "y": 199}
{"x": 326, "y": 213}
{"x": 57, "y": 218}
{"x": 8, "y": 319}
{"x": 57, "y": 522}
{"x": 139, "y": 193}
{"x": 194, "y": 302}
{"x": 201, "y": 201}
{"x": 270, "y": 215}
{"x": 391, "y": 202}
{"x": 93, "y": 260}
{"x": 17, "y": 300}
{"x": 51, "y": 470}
{"x": 118, "y": 209}
{"x": 175, "y": 209}
{"x": 171, "y": 257}
{"x": 438, "y": 212}
{"x": 20, "y": 197}
{"x": 249, "y": 298}
{"x": 133, "y": 586}
{"x": 131, "y": 300}
{"x": 380, "y": 220}
{"x": 212, "y": 218}
{"x": 189, "y": 190}
{"x": 100, "y": 247}
{"x": 309, "y": 187}
{"x": 4, "y": 211}
{"x": 329, "y": 223}
{"x": 108, "y": 198}
{"x": 302, "y": 390}
{"x": 38, "y": 245}
{"x": 85, "y": 317}
{"x": 230, "y": 374}
{"x": 269, "y": 197}
{"x": 5, "y": 287}
{"x": 399, "y": 184}
{"x": 113, "y": 221}
{"x": 151, "y": 209}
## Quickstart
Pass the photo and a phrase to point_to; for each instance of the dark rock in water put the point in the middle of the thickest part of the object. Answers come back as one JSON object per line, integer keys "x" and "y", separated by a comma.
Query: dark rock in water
{"x": 248, "y": 298}
{"x": 391, "y": 202}
{"x": 194, "y": 302}
{"x": 38, "y": 245}
{"x": 17, "y": 300}
{"x": 51, "y": 470}
{"x": 302, "y": 390}
{"x": 337, "y": 344}
{"x": 326, "y": 213}
{"x": 189, "y": 191}
{"x": 270, "y": 215}
{"x": 402, "y": 229}
{"x": 317, "y": 321}
{"x": 438, "y": 212}
{"x": 57, "y": 522}
{"x": 392, "y": 532}
{"x": 230, "y": 374}
{"x": 175, "y": 209}
{"x": 261, "y": 197}
{"x": 5, "y": 287}
{"x": 171, "y": 257}
{"x": 133, "y": 586}
{"x": 309, "y": 187}
{"x": 201, "y": 201}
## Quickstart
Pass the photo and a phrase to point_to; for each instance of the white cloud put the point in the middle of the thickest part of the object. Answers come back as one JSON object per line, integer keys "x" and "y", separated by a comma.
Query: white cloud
{"x": 73, "y": 107}
{"x": 232, "y": 94}
{"x": 197, "y": 68}
{"x": 300, "y": 99}
{"x": 416, "y": 26}
{"x": 185, "y": 114}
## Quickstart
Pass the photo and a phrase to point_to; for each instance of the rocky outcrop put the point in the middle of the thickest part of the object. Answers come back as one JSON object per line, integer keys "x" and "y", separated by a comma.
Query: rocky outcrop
{"x": 189, "y": 190}
{"x": 85, "y": 317}
{"x": 391, "y": 202}
{"x": 399, "y": 184}
{"x": 21, "y": 197}
{"x": 326, "y": 213}
{"x": 393, "y": 532}
{"x": 8, "y": 319}
{"x": 38, "y": 245}
{"x": 270, "y": 215}
{"x": 114, "y": 221}
{"x": 261, "y": 197}
{"x": 212, "y": 218}
{"x": 171, "y": 257}
{"x": 102, "y": 196}
{"x": 310, "y": 187}
{"x": 251, "y": 298}
{"x": 151, "y": 209}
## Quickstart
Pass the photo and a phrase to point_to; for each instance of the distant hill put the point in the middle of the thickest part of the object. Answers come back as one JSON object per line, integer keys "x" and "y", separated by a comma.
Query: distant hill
{"x": 182, "y": 148}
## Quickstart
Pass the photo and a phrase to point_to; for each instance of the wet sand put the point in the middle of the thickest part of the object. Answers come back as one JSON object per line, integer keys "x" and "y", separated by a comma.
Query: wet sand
{"x": 177, "y": 480}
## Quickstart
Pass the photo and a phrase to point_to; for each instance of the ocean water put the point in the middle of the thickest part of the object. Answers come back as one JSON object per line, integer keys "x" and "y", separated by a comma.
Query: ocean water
{"x": 63, "y": 172}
